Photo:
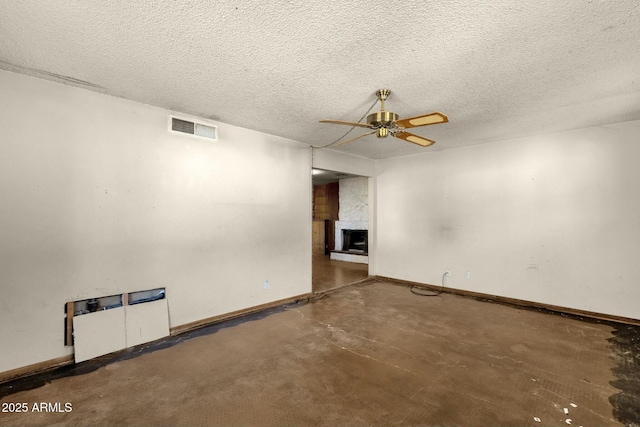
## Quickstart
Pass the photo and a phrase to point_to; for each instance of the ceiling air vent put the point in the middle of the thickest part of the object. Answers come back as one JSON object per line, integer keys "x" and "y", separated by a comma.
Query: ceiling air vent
{"x": 194, "y": 128}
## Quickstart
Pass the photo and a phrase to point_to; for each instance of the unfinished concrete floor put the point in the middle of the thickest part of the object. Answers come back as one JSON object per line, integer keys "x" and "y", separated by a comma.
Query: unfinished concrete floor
{"x": 371, "y": 354}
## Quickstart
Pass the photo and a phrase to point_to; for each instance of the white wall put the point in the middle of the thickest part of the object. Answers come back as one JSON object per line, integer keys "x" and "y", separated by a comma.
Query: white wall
{"x": 552, "y": 219}
{"x": 342, "y": 162}
{"x": 98, "y": 198}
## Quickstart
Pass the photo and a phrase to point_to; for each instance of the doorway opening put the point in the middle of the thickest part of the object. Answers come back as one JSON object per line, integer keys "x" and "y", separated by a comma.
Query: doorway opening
{"x": 339, "y": 229}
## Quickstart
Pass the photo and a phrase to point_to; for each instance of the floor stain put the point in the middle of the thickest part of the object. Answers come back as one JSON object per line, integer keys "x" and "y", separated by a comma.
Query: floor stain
{"x": 40, "y": 379}
{"x": 626, "y": 354}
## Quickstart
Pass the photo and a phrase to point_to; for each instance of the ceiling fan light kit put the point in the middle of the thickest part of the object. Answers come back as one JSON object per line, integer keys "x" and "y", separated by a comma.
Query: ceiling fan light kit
{"x": 385, "y": 123}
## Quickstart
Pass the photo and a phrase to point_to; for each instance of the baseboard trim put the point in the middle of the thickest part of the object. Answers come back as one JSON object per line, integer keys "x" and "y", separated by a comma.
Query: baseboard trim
{"x": 516, "y": 302}
{"x": 36, "y": 368}
{"x": 187, "y": 327}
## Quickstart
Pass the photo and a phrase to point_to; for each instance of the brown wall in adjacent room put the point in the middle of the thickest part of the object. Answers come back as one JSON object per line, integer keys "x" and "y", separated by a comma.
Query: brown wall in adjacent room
{"x": 325, "y": 202}
{"x": 325, "y": 208}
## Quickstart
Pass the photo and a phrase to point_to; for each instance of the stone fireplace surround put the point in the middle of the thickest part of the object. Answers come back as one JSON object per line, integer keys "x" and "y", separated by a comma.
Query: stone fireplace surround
{"x": 354, "y": 256}
{"x": 353, "y": 214}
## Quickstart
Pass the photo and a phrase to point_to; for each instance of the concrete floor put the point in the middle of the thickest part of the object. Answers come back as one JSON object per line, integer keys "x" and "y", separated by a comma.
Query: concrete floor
{"x": 329, "y": 274}
{"x": 371, "y": 354}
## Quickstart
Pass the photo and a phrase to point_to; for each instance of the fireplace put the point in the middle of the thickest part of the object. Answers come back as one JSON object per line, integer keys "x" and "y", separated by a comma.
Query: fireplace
{"x": 355, "y": 241}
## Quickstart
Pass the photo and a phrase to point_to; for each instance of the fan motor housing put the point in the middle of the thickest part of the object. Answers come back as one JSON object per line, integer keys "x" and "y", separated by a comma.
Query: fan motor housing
{"x": 382, "y": 132}
{"x": 383, "y": 119}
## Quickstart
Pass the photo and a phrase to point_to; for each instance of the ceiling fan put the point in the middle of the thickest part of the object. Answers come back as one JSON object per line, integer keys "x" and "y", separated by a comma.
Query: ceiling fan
{"x": 386, "y": 123}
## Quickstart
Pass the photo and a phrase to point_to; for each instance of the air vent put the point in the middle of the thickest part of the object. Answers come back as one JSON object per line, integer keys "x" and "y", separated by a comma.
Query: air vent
{"x": 193, "y": 128}
{"x": 182, "y": 126}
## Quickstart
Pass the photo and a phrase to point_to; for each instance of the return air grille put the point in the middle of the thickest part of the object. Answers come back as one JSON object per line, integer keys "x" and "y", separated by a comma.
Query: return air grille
{"x": 192, "y": 128}
{"x": 182, "y": 126}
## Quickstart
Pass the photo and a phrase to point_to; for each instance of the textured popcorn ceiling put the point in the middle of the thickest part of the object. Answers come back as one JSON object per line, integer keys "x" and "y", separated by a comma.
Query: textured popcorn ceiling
{"x": 500, "y": 69}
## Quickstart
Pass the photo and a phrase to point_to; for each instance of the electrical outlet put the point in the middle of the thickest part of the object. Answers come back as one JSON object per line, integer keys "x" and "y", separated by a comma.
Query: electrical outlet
{"x": 468, "y": 275}
{"x": 447, "y": 272}
{"x": 266, "y": 284}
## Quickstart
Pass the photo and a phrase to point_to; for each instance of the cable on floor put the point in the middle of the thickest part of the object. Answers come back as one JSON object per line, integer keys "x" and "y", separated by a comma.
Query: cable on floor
{"x": 432, "y": 294}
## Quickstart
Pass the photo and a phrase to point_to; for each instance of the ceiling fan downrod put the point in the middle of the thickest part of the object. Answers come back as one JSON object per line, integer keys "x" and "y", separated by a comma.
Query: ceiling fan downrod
{"x": 382, "y": 95}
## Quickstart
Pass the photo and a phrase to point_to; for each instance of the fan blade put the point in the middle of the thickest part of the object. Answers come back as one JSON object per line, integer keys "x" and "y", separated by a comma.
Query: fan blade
{"x": 414, "y": 138}
{"x": 427, "y": 119}
{"x": 358, "y": 137}
{"x": 340, "y": 122}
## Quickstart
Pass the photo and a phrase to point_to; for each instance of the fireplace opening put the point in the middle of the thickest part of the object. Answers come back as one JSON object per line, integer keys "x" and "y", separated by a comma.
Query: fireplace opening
{"x": 355, "y": 241}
